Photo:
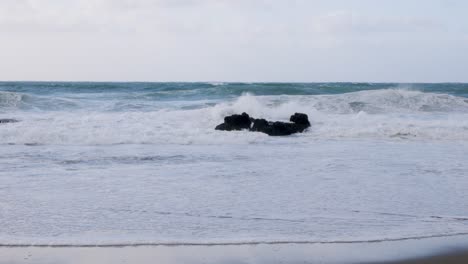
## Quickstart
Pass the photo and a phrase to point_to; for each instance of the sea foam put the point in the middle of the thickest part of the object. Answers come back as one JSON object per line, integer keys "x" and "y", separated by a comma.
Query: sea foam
{"x": 390, "y": 114}
{"x": 116, "y": 164}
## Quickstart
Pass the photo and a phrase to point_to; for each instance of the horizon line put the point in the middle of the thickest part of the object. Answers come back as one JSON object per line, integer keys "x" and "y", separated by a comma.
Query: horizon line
{"x": 231, "y": 82}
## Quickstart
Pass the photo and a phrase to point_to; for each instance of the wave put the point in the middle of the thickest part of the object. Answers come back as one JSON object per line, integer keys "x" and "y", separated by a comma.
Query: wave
{"x": 389, "y": 114}
{"x": 212, "y": 91}
{"x": 10, "y": 101}
{"x": 179, "y": 159}
{"x": 348, "y": 100}
{"x": 372, "y": 102}
{"x": 232, "y": 243}
{"x": 459, "y": 89}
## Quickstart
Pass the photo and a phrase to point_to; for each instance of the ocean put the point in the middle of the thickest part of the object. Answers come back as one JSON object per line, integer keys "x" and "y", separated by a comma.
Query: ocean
{"x": 112, "y": 164}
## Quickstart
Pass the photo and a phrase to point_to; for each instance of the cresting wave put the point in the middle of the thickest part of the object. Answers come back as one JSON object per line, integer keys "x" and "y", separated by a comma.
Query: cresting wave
{"x": 14, "y": 101}
{"x": 380, "y": 114}
{"x": 369, "y": 101}
{"x": 130, "y": 100}
{"x": 232, "y": 243}
{"x": 10, "y": 99}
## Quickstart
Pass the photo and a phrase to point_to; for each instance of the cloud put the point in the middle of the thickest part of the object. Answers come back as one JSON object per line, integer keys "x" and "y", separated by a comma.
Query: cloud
{"x": 70, "y": 15}
{"x": 48, "y": 15}
{"x": 22, "y": 16}
{"x": 227, "y": 39}
{"x": 347, "y": 22}
{"x": 197, "y": 16}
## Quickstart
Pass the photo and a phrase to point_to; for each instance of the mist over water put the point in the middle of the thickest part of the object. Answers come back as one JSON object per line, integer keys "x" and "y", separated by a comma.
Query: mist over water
{"x": 129, "y": 163}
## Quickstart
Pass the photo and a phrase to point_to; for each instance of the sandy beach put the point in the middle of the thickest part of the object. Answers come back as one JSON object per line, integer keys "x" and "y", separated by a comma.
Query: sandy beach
{"x": 433, "y": 250}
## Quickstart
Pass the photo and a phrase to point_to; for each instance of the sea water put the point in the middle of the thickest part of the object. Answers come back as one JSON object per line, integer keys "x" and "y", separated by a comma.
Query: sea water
{"x": 140, "y": 163}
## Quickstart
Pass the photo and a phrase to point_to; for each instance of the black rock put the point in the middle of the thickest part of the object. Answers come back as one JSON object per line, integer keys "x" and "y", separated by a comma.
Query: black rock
{"x": 300, "y": 122}
{"x": 7, "y": 120}
{"x": 235, "y": 122}
{"x": 282, "y": 129}
{"x": 300, "y": 119}
{"x": 273, "y": 128}
{"x": 260, "y": 125}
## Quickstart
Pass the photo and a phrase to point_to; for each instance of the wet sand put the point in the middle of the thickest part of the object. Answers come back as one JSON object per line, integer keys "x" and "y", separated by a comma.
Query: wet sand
{"x": 460, "y": 257}
{"x": 432, "y": 250}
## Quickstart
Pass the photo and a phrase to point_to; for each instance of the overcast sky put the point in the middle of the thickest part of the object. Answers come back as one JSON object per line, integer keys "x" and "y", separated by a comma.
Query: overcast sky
{"x": 234, "y": 40}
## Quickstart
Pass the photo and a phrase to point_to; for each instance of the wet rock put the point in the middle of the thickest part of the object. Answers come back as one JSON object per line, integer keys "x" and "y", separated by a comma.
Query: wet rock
{"x": 235, "y": 122}
{"x": 260, "y": 125}
{"x": 274, "y": 128}
{"x": 7, "y": 120}
{"x": 300, "y": 122}
{"x": 282, "y": 129}
{"x": 300, "y": 119}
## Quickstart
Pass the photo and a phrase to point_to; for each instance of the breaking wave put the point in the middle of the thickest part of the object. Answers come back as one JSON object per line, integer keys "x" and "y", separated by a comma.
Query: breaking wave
{"x": 10, "y": 101}
{"x": 389, "y": 113}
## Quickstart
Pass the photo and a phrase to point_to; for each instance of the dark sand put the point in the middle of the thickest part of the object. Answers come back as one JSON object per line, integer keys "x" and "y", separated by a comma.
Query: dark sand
{"x": 449, "y": 258}
{"x": 432, "y": 250}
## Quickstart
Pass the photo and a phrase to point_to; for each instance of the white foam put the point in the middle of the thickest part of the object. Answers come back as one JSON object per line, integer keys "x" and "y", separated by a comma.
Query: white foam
{"x": 10, "y": 99}
{"x": 382, "y": 114}
{"x": 375, "y": 166}
{"x": 322, "y": 191}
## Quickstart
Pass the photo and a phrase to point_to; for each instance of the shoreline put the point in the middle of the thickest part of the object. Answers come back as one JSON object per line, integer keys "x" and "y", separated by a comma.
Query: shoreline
{"x": 429, "y": 250}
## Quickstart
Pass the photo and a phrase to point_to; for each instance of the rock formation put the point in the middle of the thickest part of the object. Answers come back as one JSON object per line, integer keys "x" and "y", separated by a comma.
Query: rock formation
{"x": 299, "y": 123}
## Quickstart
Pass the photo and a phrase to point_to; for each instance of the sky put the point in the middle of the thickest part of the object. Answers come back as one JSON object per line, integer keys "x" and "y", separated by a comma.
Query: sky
{"x": 234, "y": 40}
